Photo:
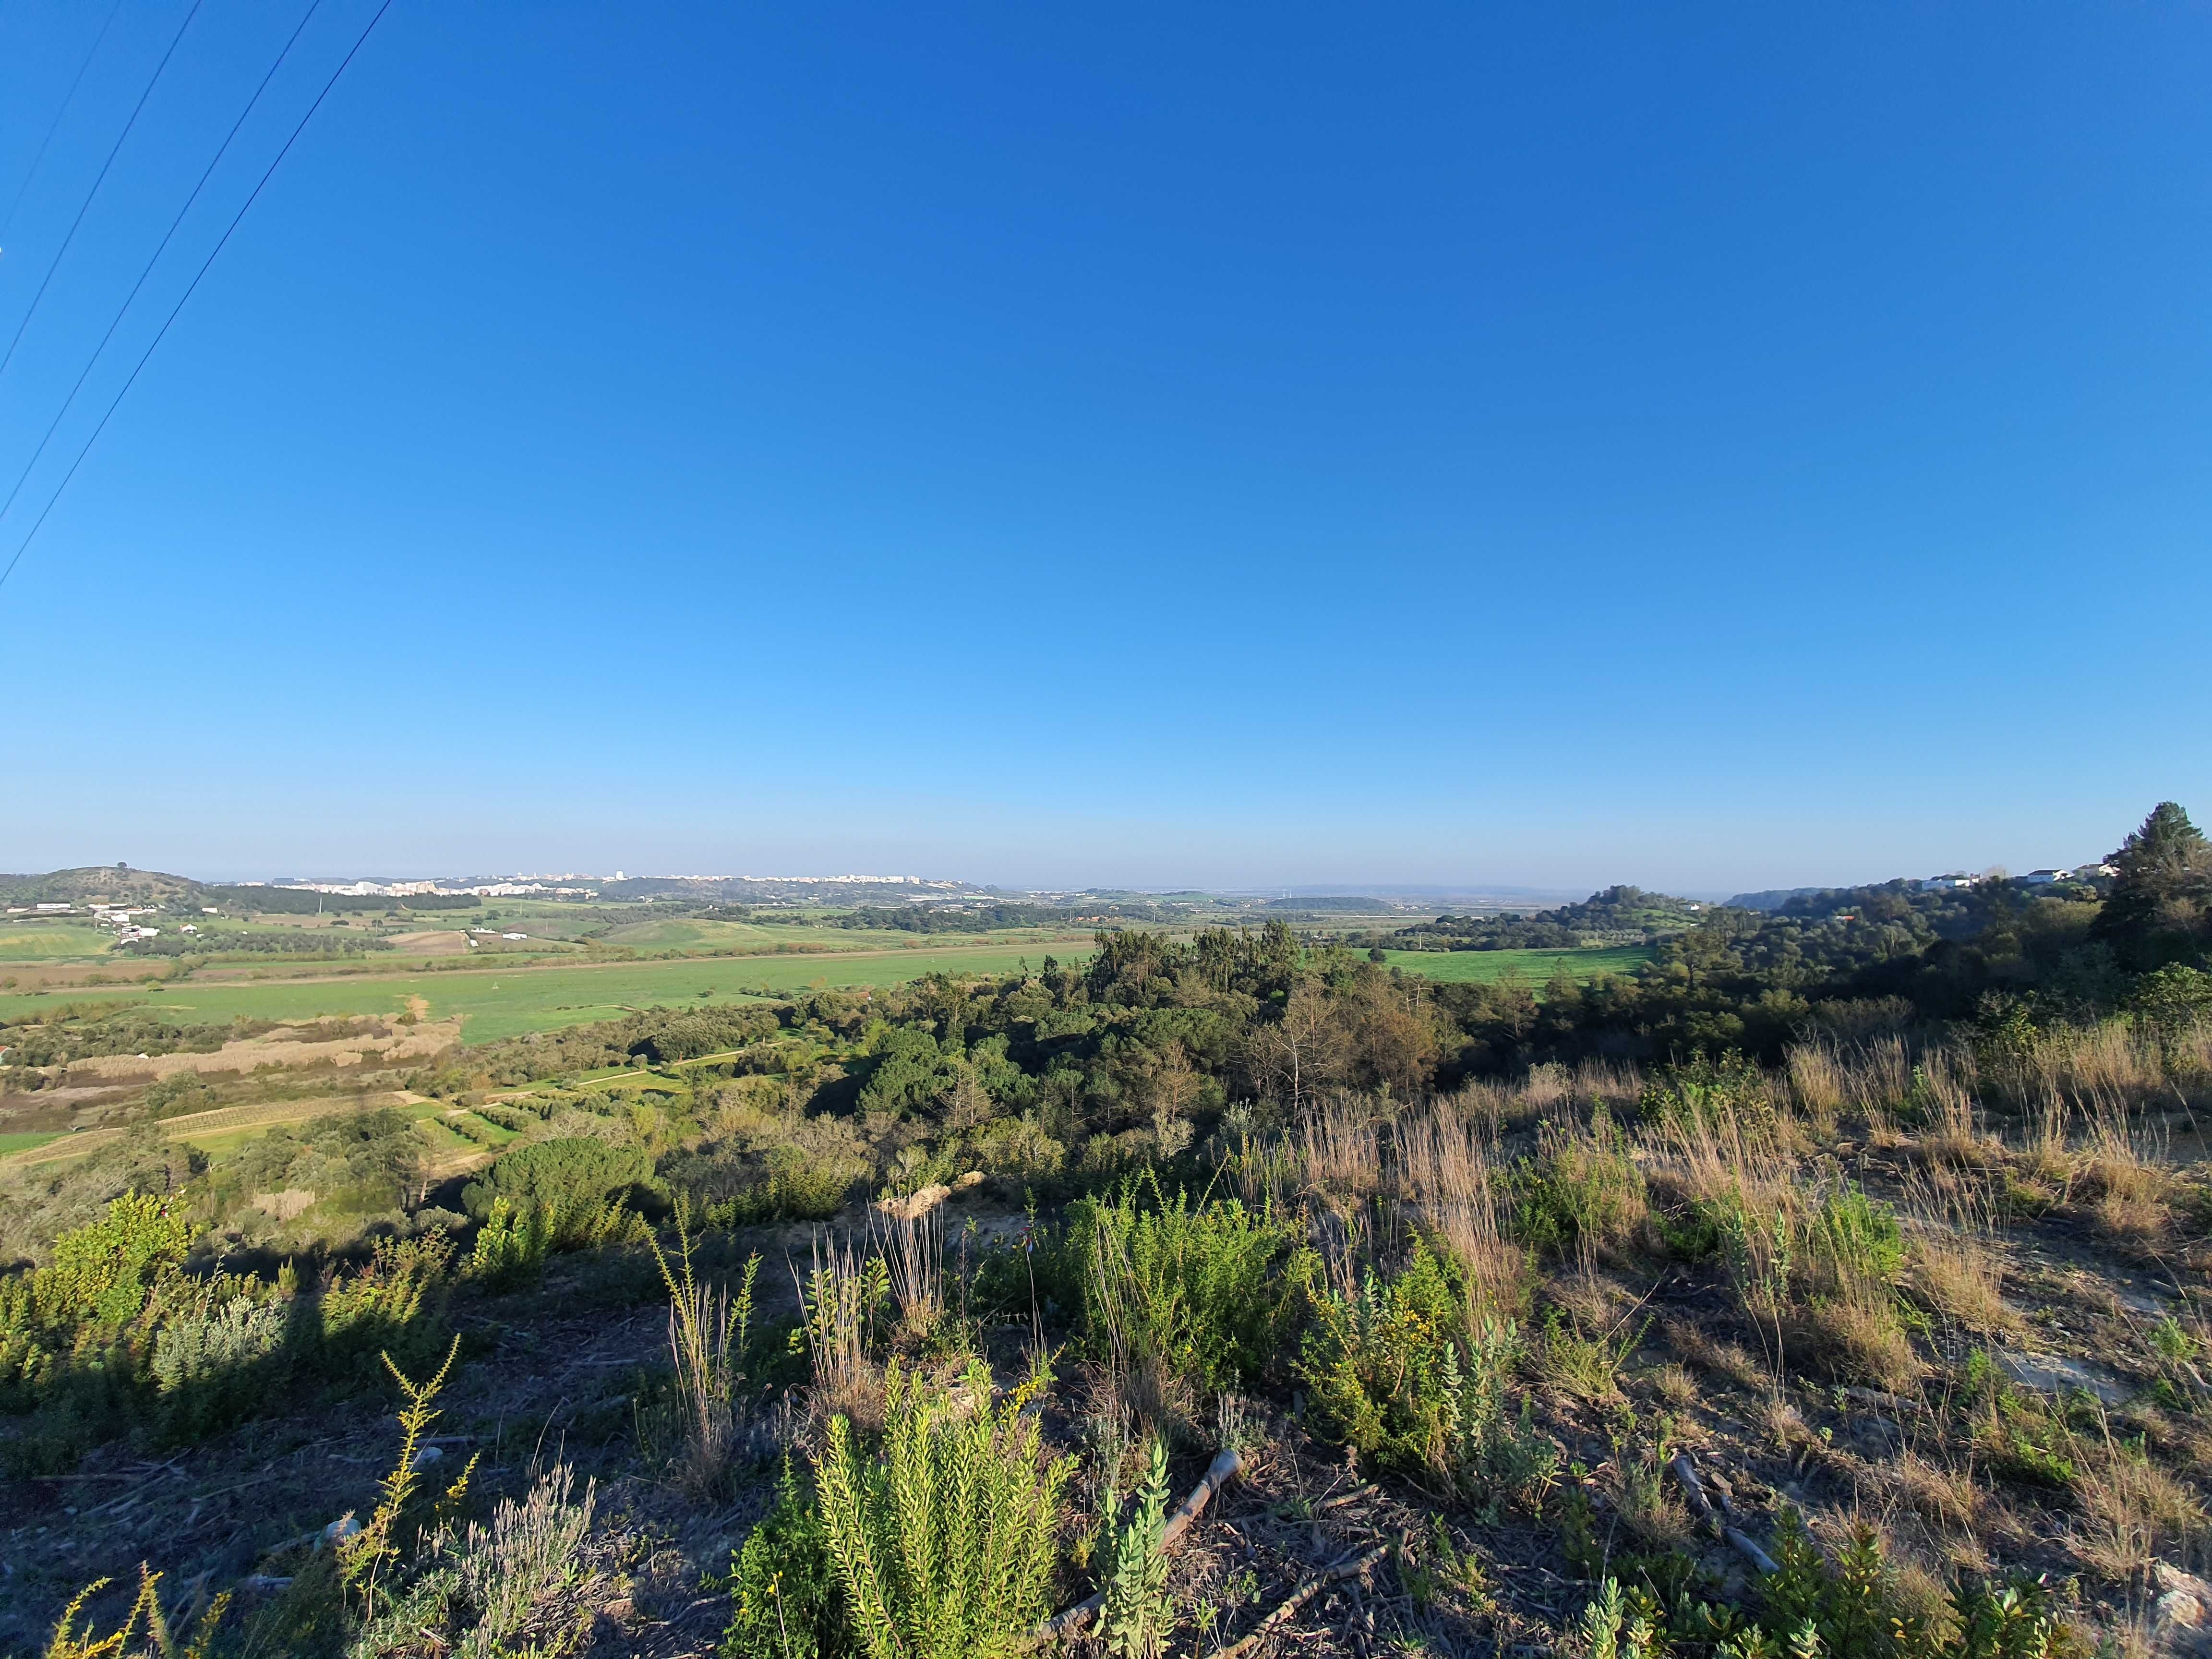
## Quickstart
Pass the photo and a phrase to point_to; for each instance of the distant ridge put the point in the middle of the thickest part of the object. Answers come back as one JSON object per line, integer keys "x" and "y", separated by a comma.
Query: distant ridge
{"x": 1774, "y": 898}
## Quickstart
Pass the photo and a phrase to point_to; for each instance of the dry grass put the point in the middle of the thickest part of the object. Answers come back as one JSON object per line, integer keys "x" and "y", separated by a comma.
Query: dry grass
{"x": 911, "y": 1243}
{"x": 1938, "y": 1493}
{"x": 1855, "y": 1339}
{"x": 1691, "y": 1344}
{"x": 1444, "y": 1172}
{"x": 1340, "y": 1153}
{"x": 1675, "y": 1385}
{"x": 2124, "y": 1172}
{"x": 837, "y": 1300}
{"x": 1952, "y": 1134}
{"x": 1955, "y": 1268}
{"x": 1818, "y": 1085}
{"x": 2132, "y": 1510}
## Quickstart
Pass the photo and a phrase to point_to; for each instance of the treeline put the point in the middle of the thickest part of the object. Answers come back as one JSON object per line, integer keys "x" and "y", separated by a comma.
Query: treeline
{"x": 1617, "y": 915}
{"x": 283, "y": 942}
{"x": 967, "y": 918}
{"x": 298, "y": 901}
{"x": 1152, "y": 1039}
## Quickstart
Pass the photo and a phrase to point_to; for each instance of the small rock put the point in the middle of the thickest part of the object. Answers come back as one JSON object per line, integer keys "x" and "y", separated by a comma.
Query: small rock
{"x": 427, "y": 1456}
{"x": 2056, "y": 1373}
{"x": 2181, "y": 1619}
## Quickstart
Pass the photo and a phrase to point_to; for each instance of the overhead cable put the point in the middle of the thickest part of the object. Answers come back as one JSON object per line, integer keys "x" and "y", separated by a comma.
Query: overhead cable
{"x": 54, "y": 125}
{"x": 96, "y": 184}
{"x": 70, "y": 401}
{"x": 114, "y": 402}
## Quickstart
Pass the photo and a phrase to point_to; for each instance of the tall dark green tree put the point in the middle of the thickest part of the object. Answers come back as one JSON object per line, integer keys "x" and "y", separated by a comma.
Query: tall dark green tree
{"x": 2160, "y": 906}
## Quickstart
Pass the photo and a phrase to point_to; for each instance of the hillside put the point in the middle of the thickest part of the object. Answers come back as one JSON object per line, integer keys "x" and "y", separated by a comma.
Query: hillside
{"x": 112, "y": 884}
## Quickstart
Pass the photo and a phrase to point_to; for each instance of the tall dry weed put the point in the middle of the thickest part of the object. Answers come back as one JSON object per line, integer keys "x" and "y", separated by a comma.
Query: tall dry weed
{"x": 840, "y": 1301}
{"x": 1444, "y": 1172}
{"x": 2123, "y": 1163}
{"x": 1952, "y": 1218}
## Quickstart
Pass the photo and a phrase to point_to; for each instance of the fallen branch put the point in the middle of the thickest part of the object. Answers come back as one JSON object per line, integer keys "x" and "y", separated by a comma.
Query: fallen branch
{"x": 1357, "y": 1492}
{"x": 1344, "y": 1567}
{"x": 1218, "y": 1474}
{"x": 1686, "y": 1472}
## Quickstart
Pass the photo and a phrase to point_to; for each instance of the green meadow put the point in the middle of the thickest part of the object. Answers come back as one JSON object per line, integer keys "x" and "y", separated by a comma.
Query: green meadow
{"x": 496, "y": 1003}
{"x": 1535, "y": 966}
{"x": 49, "y": 941}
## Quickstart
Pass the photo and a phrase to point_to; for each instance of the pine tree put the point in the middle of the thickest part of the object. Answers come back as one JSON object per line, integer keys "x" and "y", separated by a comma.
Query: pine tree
{"x": 2160, "y": 906}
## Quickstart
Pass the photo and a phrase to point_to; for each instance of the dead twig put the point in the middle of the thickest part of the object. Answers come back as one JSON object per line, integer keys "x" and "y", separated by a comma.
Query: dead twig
{"x": 1686, "y": 1472}
{"x": 1344, "y": 1567}
{"x": 1219, "y": 1473}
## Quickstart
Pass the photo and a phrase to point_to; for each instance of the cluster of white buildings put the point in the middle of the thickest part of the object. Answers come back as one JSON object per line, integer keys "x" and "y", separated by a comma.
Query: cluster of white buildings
{"x": 521, "y": 887}
{"x": 124, "y": 920}
{"x": 2032, "y": 878}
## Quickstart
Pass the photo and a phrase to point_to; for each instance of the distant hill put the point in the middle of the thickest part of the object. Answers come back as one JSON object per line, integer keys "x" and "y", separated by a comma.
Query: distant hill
{"x": 110, "y": 883}
{"x": 1774, "y": 898}
{"x": 1335, "y": 904}
{"x": 1619, "y": 916}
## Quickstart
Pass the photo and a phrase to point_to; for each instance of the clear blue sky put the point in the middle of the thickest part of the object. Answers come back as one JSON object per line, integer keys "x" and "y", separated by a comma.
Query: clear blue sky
{"x": 1707, "y": 447}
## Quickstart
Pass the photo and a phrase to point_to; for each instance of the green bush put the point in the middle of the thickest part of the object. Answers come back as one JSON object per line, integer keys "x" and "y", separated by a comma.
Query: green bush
{"x": 943, "y": 1542}
{"x": 1393, "y": 1371}
{"x": 783, "y": 1585}
{"x": 1583, "y": 1189}
{"x": 115, "y": 1337}
{"x": 576, "y": 1173}
{"x": 1213, "y": 1292}
{"x": 1708, "y": 1091}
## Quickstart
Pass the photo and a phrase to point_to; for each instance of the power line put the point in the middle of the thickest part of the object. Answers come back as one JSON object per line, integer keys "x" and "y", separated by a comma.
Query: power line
{"x": 54, "y": 125}
{"x": 96, "y": 184}
{"x": 113, "y": 403}
{"x": 70, "y": 401}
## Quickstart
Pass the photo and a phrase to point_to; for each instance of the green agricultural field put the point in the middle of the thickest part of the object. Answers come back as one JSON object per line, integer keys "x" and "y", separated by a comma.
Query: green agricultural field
{"x": 25, "y": 1141}
{"x": 1533, "y": 967}
{"x": 699, "y": 933}
{"x": 508, "y": 1002}
{"x": 49, "y": 941}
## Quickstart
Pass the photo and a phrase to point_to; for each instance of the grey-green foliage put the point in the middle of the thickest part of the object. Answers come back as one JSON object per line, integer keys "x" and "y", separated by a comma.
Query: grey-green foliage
{"x": 482, "y": 1585}
{"x": 1138, "y": 1617}
{"x": 216, "y": 1340}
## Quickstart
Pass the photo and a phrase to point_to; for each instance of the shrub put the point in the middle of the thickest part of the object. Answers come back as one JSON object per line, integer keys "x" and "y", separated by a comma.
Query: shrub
{"x": 944, "y": 1542}
{"x": 101, "y": 1273}
{"x": 1388, "y": 1375}
{"x": 1207, "y": 1294}
{"x": 1583, "y": 1190}
{"x": 214, "y": 1364}
{"x": 396, "y": 1303}
{"x": 792, "y": 1188}
{"x": 1708, "y": 1091}
{"x": 577, "y": 1174}
{"x": 786, "y": 1604}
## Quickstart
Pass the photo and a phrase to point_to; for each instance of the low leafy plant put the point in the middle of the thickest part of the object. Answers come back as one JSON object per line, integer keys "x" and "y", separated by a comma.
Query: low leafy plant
{"x": 1393, "y": 1371}
{"x": 943, "y": 1540}
{"x": 1137, "y": 1616}
{"x": 786, "y": 1602}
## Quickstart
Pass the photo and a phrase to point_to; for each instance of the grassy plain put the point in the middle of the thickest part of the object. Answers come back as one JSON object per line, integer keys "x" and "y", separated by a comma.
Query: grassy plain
{"x": 49, "y": 941}
{"x": 1484, "y": 967}
{"x": 508, "y": 1002}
